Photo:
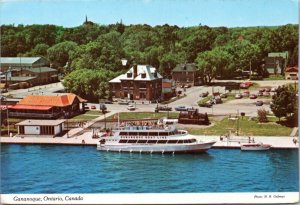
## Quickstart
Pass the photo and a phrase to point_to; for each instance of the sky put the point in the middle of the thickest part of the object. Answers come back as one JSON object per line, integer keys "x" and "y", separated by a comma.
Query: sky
{"x": 183, "y": 13}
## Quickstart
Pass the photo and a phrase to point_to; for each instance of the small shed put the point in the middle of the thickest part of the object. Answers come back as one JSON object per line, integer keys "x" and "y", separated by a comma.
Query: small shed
{"x": 40, "y": 127}
{"x": 192, "y": 116}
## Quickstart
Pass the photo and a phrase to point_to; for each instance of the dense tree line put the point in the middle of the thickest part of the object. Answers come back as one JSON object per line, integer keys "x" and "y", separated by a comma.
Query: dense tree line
{"x": 217, "y": 51}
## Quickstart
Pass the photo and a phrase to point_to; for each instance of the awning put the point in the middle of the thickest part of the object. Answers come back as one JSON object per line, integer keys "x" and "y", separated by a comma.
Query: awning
{"x": 31, "y": 107}
{"x": 3, "y": 107}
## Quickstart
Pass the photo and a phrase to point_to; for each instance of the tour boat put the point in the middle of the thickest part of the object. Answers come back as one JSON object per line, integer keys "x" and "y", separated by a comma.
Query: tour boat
{"x": 255, "y": 147}
{"x": 160, "y": 138}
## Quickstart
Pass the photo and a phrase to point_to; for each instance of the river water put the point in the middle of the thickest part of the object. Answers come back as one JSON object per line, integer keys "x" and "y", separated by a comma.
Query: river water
{"x": 83, "y": 169}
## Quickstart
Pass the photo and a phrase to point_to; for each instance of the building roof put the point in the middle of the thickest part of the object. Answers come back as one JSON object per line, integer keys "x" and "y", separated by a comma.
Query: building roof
{"x": 58, "y": 101}
{"x": 38, "y": 69}
{"x": 30, "y": 107}
{"x": 278, "y": 54}
{"x": 20, "y": 78}
{"x": 292, "y": 69}
{"x": 190, "y": 67}
{"x": 148, "y": 70}
{"x": 41, "y": 122}
{"x": 18, "y": 60}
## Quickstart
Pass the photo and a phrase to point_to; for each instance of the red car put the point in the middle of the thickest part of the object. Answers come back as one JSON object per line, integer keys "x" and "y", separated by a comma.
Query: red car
{"x": 253, "y": 96}
{"x": 262, "y": 90}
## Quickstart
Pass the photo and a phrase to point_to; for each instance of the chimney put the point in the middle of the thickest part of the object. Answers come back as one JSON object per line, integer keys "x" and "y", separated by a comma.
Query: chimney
{"x": 134, "y": 70}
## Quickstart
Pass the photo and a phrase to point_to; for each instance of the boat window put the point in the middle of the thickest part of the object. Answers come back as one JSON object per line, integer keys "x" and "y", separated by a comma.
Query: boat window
{"x": 163, "y": 134}
{"x": 152, "y": 141}
{"x": 122, "y": 141}
{"x": 153, "y": 133}
{"x": 141, "y": 141}
{"x": 132, "y": 141}
{"x": 172, "y": 141}
{"x": 186, "y": 141}
{"x": 143, "y": 134}
{"x": 123, "y": 133}
{"x": 162, "y": 141}
{"x": 192, "y": 140}
{"x": 180, "y": 141}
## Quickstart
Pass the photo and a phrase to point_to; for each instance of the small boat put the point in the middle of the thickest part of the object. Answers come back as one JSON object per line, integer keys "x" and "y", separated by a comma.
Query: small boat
{"x": 255, "y": 147}
{"x": 164, "y": 138}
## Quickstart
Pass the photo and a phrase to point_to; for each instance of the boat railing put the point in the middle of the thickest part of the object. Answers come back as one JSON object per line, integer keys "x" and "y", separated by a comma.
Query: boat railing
{"x": 141, "y": 128}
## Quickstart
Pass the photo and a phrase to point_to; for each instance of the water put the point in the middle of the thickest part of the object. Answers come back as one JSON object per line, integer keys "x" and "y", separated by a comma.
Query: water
{"x": 79, "y": 169}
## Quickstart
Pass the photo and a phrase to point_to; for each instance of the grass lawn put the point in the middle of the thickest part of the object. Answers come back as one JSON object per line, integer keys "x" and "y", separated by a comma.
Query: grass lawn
{"x": 93, "y": 112}
{"x": 144, "y": 115}
{"x": 83, "y": 117}
{"x": 275, "y": 77}
{"x": 246, "y": 127}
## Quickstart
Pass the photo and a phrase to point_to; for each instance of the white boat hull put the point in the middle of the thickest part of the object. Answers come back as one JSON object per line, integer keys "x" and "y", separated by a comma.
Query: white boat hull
{"x": 158, "y": 148}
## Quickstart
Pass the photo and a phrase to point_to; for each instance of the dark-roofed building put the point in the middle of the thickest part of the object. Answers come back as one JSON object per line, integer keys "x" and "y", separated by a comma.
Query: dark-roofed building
{"x": 186, "y": 74}
{"x": 26, "y": 72}
{"x": 48, "y": 107}
{"x": 141, "y": 82}
{"x": 22, "y": 62}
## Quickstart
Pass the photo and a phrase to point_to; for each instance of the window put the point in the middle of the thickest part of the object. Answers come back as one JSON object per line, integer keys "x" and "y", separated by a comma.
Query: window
{"x": 162, "y": 141}
{"x": 152, "y": 141}
{"x": 180, "y": 142}
{"x": 141, "y": 141}
{"x": 172, "y": 141}
{"x": 122, "y": 141}
{"x": 132, "y": 141}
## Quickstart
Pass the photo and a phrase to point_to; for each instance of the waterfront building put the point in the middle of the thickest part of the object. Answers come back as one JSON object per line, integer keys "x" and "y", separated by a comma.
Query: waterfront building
{"x": 140, "y": 82}
{"x": 48, "y": 107}
{"x": 291, "y": 73}
{"x": 48, "y": 128}
{"x": 186, "y": 74}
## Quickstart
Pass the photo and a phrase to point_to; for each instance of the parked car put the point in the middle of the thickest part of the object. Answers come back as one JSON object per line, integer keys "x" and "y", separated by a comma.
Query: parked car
{"x": 238, "y": 96}
{"x": 268, "y": 89}
{"x": 163, "y": 108}
{"x": 93, "y": 107}
{"x": 259, "y": 103}
{"x": 253, "y": 96}
{"x": 187, "y": 86}
{"x": 179, "y": 92}
{"x": 217, "y": 100}
{"x": 243, "y": 85}
{"x": 262, "y": 90}
{"x": 108, "y": 102}
{"x": 223, "y": 95}
{"x": 266, "y": 94}
{"x": 123, "y": 103}
{"x": 130, "y": 107}
{"x": 246, "y": 94}
{"x": 181, "y": 108}
{"x": 260, "y": 94}
{"x": 204, "y": 94}
{"x": 273, "y": 89}
{"x": 208, "y": 104}
{"x": 182, "y": 86}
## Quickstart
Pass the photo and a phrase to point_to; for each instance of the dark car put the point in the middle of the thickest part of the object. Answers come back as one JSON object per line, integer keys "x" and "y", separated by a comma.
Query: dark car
{"x": 260, "y": 94}
{"x": 181, "y": 108}
{"x": 163, "y": 108}
{"x": 259, "y": 103}
{"x": 268, "y": 89}
{"x": 123, "y": 103}
{"x": 108, "y": 102}
{"x": 208, "y": 104}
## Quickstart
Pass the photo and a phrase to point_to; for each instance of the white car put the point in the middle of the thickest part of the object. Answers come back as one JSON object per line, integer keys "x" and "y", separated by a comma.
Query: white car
{"x": 130, "y": 107}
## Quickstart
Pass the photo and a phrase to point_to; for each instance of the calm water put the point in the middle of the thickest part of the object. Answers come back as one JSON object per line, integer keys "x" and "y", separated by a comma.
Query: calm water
{"x": 76, "y": 169}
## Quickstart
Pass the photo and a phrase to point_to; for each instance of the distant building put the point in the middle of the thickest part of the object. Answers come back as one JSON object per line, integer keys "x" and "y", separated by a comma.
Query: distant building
{"x": 192, "y": 116}
{"x": 48, "y": 107}
{"x": 186, "y": 74}
{"x": 141, "y": 82}
{"x": 168, "y": 89}
{"x": 291, "y": 73}
{"x": 276, "y": 62}
{"x": 22, "y": 62}
{"x": 42, "y": 128}
{"x": 26, "y": 72}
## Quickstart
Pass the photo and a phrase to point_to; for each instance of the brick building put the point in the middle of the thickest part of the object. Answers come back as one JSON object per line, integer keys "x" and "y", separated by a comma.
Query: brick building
{"x": 291, "y": 73}
{"x": 141, "y": 82}
{"x": 186, "y": 74}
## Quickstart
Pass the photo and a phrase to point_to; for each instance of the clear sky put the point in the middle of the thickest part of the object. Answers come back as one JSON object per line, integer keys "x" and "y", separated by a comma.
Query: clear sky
{"x": 229, "y": 13}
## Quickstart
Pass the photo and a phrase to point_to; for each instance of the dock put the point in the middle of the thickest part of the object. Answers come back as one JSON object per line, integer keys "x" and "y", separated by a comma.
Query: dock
{"x": 277, "y": 142}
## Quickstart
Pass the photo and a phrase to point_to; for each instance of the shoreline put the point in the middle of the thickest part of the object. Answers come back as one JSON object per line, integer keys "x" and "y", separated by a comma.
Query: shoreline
{"x": 277, "y": 142}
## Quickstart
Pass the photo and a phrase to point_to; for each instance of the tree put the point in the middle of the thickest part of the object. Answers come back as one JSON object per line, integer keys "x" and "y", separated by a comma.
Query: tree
{"x": 213, "y": 63}
{"x": 262, "y": 115}
{"x": 59, "y": 53}
{"x": 284, "y": 102}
